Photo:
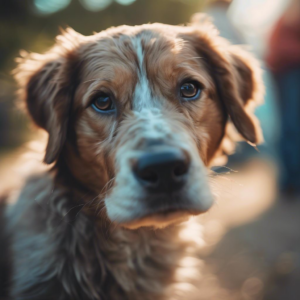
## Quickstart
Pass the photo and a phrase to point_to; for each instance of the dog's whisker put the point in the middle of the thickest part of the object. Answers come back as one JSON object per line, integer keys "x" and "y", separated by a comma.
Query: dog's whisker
{"x": 103, "y": 193}
{"x": 71, "y": 210}
{"x": 216, "y": 169}
{"x": 107, "y": 185}
{"x": 88, "y": 203}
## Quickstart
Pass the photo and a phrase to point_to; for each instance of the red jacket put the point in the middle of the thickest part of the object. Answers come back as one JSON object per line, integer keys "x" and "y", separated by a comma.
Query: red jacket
{"x": 284, "y": 45}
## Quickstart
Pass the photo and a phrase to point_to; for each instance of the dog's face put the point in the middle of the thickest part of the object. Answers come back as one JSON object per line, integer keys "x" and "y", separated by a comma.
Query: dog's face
{"x": 139, "y": 112}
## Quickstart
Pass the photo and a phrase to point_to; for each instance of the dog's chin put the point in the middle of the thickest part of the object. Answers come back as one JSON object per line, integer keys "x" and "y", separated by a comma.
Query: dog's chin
{"x": 156, "y": 211}
{"x": 159, "y": 220}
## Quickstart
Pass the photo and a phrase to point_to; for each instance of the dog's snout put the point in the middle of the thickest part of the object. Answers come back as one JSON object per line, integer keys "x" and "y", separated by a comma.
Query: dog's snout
{"x": 162, "y": 171}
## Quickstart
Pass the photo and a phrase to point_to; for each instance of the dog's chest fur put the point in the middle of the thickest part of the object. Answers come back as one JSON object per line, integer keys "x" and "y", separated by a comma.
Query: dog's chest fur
{"x": 61, "y": 253}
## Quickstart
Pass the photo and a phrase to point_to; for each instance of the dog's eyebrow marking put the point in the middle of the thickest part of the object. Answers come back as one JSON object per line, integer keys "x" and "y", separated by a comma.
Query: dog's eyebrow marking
{"x": 142, "y": 97}
{"x": 91, "y": 80}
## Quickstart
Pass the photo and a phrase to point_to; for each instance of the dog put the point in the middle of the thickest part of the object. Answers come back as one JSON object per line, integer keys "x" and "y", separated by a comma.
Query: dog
{"x": 135, "y": 117}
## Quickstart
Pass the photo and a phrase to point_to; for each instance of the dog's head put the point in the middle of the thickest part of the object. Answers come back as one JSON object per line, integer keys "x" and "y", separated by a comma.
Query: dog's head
{"x": 137, "y": 113}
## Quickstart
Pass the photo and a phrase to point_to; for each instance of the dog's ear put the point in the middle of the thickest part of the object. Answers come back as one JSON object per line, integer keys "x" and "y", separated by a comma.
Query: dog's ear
{"x": 47, "y": 84}
{"x": 236, "y": 74}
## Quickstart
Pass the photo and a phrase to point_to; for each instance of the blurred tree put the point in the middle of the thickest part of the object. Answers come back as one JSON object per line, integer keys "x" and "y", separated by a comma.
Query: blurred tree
{"x": 23, "y": 26}
{"x": 28, "y": 25}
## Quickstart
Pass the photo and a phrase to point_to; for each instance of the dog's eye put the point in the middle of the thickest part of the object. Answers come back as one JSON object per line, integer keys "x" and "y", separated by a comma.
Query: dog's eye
{"x": 103, "y": 103}
{"x": 190, "y": 90}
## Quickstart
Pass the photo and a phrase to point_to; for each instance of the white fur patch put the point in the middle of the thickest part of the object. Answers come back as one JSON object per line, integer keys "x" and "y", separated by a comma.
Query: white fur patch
{"x": 154, "y": 124}
{"x": 142, "y": 97}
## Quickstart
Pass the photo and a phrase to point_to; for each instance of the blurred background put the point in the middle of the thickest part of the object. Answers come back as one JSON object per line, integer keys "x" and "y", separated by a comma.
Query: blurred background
{"x": 250, "y": 240}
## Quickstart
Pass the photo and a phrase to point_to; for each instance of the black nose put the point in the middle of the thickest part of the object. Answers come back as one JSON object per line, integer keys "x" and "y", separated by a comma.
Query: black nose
{"x": 163, "y": 170}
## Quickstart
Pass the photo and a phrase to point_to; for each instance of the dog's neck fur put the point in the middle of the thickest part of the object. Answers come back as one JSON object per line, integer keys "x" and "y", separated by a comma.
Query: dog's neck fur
{"x": 96, "y": 257}
{"x": 139, "y": 261}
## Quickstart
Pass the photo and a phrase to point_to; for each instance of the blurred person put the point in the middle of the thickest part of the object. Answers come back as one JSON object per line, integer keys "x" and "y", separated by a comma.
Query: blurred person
{"x": 283, "y": 59}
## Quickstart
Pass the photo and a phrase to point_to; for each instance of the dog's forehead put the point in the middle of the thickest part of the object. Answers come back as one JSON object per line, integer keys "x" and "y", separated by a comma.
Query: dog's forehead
{"x": 143, "y": 97}
{"x": 157, "y": 57}
{"x": 138, "y": 62}
{"x": 126, "y": 44}
{"x": 130, "y": 45}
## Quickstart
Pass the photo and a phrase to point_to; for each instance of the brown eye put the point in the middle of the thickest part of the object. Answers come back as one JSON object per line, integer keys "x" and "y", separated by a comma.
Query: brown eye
{"x": 103, "y": 104}
{"x": 190, "y": 90}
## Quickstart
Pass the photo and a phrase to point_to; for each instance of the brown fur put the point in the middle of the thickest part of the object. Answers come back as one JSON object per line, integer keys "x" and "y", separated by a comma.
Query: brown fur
{"x": 60, "y": 220}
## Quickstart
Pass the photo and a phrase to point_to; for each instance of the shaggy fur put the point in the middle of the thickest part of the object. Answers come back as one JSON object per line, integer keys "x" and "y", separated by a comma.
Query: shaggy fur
{"x": 68, "y": 233}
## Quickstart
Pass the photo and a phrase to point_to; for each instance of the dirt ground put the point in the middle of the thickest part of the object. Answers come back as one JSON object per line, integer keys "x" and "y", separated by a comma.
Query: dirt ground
{"x": 251, "y": 248}
{"x": 249, "y": 241}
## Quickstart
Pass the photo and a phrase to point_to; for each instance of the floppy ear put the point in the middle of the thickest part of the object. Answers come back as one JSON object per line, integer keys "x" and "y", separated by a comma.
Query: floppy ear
{"x": 47, "y": 83}
{"x": 236, "y": 74}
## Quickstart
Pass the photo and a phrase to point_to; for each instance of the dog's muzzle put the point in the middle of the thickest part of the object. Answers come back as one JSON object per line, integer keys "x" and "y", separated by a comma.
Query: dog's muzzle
{"x": 159, "y": 182}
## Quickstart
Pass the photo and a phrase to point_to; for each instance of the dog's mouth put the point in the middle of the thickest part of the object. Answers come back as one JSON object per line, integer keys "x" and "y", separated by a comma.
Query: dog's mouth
{"x": 161, "y": 218}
